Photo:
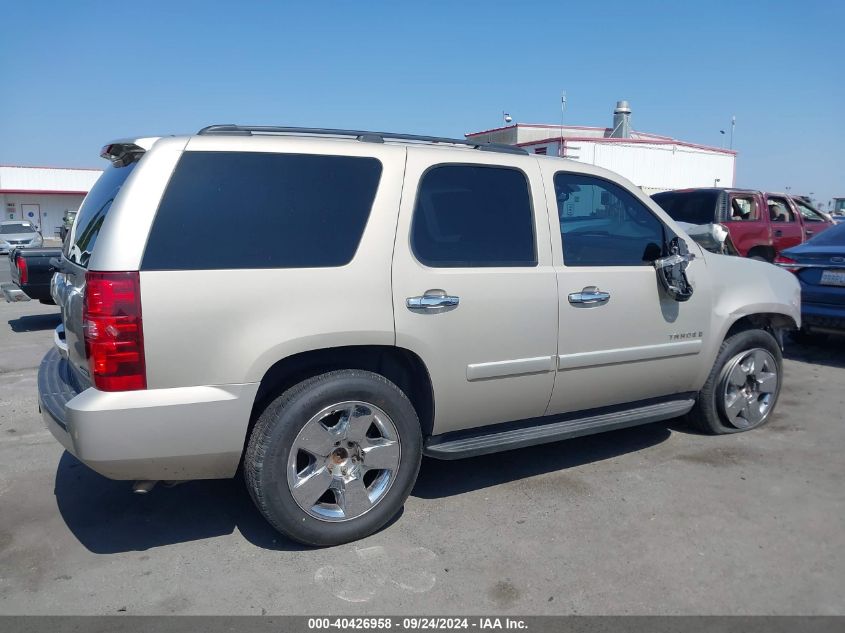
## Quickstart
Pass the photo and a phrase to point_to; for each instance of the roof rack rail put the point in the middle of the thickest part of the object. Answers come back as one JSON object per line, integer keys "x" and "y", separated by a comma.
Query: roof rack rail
{"x": 361, "y": 135}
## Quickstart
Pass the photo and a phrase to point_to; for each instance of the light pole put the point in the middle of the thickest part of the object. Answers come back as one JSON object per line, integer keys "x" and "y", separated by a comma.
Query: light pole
{"x": 733, "y": 125}
{"x": 716, "y": 182}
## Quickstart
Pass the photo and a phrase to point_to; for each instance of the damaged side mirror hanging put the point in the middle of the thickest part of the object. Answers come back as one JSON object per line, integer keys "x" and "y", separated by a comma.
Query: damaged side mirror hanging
{"x": 671, "y": 270}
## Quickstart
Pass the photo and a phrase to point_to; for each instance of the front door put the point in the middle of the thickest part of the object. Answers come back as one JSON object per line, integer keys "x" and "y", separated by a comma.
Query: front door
{"x": 786, "y": 229}
{"x": 622, "y": 338}
{"x": 474, "y": 291}
{"x": 32, "y": 214}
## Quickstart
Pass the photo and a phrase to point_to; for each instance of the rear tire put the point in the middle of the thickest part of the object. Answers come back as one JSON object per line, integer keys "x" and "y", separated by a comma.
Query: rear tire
{"x": 743, "y": 387}
{"x": 333, "y": 458}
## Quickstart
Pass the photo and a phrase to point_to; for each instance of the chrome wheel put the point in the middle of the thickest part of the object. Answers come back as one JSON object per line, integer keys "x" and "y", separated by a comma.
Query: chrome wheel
{"x": 343, "y": 461}
{"x": 750, "y": 387}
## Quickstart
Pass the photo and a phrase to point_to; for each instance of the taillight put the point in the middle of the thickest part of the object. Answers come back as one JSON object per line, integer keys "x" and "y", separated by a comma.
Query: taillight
{"x": 23, "y": 271}
{"x": 787, "y": 262}
{"x": 114, "y": 336}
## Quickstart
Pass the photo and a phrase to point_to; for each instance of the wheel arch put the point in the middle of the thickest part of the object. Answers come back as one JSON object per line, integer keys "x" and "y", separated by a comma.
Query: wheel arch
{"x": 399, "y": 365}
{"x": 766, "y": 252}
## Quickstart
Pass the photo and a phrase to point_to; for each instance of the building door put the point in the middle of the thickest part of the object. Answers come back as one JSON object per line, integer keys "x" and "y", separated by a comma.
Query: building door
{"x": 31, "y": 213}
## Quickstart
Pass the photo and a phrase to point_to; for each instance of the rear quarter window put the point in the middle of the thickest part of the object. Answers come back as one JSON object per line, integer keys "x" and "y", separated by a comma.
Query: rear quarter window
{"x": 225, "y": 210}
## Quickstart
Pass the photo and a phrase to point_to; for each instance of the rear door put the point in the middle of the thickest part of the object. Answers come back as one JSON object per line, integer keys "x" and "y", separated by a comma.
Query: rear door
{"x": 68, "y": 288}
{"x": 747, "y": 223}
{"x": 474, "y": 290}
{"x": 786, "y": 228}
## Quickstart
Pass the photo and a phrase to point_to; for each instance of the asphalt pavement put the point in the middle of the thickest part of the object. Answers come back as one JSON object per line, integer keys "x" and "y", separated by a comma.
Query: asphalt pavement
{"x": 650, "y": 520}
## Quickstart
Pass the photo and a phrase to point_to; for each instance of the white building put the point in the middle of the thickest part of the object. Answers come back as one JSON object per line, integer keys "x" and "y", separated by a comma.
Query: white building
{"x": 43, "y": 194}
{"x": 653, "y": 162}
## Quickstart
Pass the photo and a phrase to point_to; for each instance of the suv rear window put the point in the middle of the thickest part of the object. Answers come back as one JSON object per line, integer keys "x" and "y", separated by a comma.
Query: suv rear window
{"x": 225, "y": 210}
{"x": 93, "y": 213}
{"x": 693, "y": 207}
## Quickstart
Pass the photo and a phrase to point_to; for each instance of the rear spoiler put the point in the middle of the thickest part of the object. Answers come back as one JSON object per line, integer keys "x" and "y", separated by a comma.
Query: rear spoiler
{"x": 125, "y": 151}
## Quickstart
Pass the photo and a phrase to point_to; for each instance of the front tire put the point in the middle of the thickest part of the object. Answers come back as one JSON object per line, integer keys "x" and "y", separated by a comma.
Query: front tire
{"x": 333, "y": 458}
{"x": 743, "y": 387}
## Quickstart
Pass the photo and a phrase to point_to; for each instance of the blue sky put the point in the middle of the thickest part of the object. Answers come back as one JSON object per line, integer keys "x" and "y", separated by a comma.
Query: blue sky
{"x": 78, "y": 74}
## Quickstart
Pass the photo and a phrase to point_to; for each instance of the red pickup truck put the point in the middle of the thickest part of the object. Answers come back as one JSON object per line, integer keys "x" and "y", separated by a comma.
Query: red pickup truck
{"x": 748, "y": 223}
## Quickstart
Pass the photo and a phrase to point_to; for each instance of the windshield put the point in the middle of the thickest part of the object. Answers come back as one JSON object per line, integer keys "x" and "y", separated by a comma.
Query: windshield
{"x": 16, "y": 227}
{"x": 92, "y": 214}
{"x": 693, "y": 207}
{"x": 834, "y": 236}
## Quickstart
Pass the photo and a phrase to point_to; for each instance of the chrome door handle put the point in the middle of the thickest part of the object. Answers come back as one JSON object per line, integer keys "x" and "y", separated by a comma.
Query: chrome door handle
{"x": 432, "y": 300}
{"x": 589, "y": 295}
{"x": 808, "y": 231}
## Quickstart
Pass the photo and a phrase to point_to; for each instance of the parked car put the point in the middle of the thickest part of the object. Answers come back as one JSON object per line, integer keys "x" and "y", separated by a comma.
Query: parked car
{"x": 426, "y": 296}
{"x": 31, "y": 272}
{"x": 15, "y": 233}
{"x": 820, "y": 267}
{"x": 743, "y": 222}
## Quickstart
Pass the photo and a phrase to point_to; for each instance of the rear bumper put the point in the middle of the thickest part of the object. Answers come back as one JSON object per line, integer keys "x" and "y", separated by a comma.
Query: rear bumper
{"x": 822, "y": 317}
{"x": 157, "y": 434}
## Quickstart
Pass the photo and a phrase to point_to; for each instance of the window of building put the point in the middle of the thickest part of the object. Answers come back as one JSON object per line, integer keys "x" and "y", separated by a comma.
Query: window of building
{"x": 602, "y": 224}
{"x": 541, "y": 150}
{"x": 471, "y": 215}
{"x": 260, "y": 210}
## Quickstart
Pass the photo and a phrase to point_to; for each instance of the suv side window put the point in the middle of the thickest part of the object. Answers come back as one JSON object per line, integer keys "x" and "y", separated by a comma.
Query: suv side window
{"x": 809, "y": 215}
{"x": 779, "y": 210}
{"x": 743, "y": 209}
{"x": 602, "y": 224}
{"x": 260, "y": 210}
{"x": 473, "y": 216}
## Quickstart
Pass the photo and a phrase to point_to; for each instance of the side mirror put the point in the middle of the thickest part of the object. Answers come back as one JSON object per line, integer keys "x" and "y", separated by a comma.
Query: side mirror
{"x": 671, "y": 270}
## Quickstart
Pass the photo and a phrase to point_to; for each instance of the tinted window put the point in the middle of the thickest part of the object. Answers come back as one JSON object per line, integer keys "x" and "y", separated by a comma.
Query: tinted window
{"x": 469, "y": 215}
{"x": 693, "y": 207}
{"x": 602, "y": 224}
{"x": 255, "y": 210}
{"x": 93, "y": 213}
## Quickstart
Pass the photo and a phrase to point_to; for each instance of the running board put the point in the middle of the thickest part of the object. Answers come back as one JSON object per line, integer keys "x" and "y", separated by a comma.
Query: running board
{"x": 505, "y": 437}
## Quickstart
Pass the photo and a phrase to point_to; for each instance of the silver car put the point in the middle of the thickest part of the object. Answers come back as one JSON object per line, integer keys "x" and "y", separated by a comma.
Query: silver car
{"x": 388, "y": 296}
{"x": 18, "y": 233}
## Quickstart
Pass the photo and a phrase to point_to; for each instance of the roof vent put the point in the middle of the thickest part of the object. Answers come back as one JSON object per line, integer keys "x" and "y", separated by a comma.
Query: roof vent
{"x": 621, "y": 120}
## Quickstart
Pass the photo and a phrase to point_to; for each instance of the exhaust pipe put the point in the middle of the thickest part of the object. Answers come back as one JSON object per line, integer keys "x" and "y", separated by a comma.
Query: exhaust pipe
{"x": 142, "y": 486}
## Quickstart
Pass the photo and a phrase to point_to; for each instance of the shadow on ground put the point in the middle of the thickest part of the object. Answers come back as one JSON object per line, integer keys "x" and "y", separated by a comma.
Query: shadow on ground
{"x": 36, "y": 322}
{"x": 828, "y": 351}
{"x": 106, "y": 517}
